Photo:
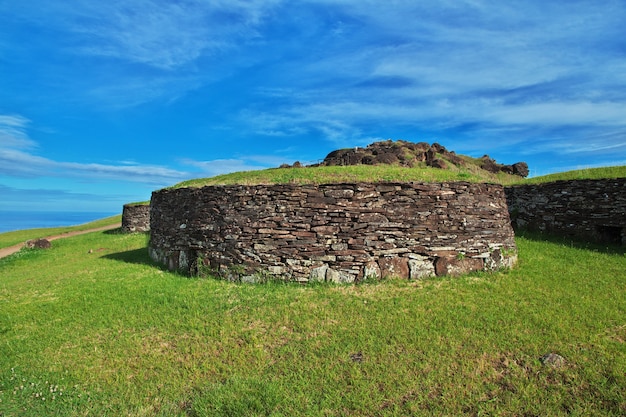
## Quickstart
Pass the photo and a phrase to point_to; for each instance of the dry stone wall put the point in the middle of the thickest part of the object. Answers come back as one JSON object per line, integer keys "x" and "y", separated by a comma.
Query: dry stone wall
{"x": 136, "y": 218}
{"x": 335, "y": 232}
{"x": 584, "y": 209}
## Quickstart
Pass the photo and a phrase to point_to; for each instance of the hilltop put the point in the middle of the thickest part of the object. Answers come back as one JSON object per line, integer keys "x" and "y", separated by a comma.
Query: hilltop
{"x": 380, "y": 161}
{"x": 410, "y": 154}
{"x": 399, "y": 161}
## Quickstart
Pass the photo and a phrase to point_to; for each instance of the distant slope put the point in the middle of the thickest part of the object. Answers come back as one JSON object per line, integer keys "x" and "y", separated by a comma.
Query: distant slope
{"x": 580, "y": 174}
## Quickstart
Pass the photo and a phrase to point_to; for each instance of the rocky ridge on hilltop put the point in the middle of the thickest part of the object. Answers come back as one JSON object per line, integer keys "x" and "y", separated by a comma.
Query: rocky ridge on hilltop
{"x": 409, "y": 154}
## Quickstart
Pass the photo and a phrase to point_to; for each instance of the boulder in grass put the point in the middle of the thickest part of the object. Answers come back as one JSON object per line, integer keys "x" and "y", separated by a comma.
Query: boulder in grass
{"x": 38, "y": 244}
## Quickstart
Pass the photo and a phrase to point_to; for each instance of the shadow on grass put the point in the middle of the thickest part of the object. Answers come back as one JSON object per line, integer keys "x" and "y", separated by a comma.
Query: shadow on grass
{"x": 607, "y": 248}
{"x": 135, "y": 256}
{"x": 119, "y": 231}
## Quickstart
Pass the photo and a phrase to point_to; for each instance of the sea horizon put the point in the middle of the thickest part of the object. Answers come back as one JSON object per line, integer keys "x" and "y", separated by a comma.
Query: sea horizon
{"x": 12, "y": 220}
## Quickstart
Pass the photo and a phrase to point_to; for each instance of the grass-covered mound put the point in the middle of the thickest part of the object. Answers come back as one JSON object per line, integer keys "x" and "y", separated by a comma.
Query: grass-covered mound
{"x": 398, "y": 161}
{"x": 376, "y": 173}
{"x": 351, "y": 173}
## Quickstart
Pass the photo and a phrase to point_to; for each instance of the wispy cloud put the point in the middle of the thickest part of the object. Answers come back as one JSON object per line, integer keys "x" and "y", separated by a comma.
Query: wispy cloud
{"x": 13, "y": 132}
{"x": 59, "y": 199}
{"x": 242, "y": 163}
{"x": 131, "y": 53}
{"x": 485, "y": 64}
{"x": 164, "y": 35}
{"x": 12, "y": 195}
{"x": 17, "y": 161}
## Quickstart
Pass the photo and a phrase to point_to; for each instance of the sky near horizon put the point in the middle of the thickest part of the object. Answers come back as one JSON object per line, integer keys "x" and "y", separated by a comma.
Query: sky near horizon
{"x": 103, "y": 102}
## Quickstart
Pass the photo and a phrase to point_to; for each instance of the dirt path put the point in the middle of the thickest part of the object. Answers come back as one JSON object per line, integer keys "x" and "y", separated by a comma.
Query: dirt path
{"x": 12, "y": 249}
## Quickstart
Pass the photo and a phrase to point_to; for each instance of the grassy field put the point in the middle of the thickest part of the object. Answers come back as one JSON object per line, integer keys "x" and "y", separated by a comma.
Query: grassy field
{"x": 107, "y": 333}
{"x": 375, "y": 173}
{"x": 580, "y": 174}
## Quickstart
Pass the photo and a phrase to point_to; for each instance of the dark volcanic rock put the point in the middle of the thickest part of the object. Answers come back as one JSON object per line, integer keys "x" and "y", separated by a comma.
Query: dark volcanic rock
{"x": 438, "y": 163}
{"x": 521, "y": 169}
{"x": 38, "y": 244}
{"x": 409, "y": 154}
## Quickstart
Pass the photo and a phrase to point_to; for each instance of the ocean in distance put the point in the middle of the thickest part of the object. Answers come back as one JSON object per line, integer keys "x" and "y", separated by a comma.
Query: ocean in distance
{"x": 20, "y": 220}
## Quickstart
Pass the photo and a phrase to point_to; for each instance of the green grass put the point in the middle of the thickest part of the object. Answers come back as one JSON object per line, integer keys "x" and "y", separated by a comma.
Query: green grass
{"x": 376, "y": 173}
{"x": 19, "y": 236}
{"x": 109, "y": 333}
{"x": 580, "y": 174}
{"x": 354, "y": 173}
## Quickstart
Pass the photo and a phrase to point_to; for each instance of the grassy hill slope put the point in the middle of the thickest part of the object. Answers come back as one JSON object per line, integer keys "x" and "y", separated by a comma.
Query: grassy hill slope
{"x": 108, "y": 333}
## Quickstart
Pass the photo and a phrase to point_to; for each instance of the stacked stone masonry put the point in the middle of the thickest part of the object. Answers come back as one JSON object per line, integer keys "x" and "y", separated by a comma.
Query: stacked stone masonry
{"x": 592, "y": 210}
{"x": 335, "y": 232}
{"x": 136, "y": 218}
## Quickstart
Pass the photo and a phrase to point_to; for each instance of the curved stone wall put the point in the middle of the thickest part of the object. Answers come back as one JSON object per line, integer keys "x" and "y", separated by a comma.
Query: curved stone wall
{"x": 333, "y": 232}
{"x": 136, "y": 218}
{"x": 584, "y": 209}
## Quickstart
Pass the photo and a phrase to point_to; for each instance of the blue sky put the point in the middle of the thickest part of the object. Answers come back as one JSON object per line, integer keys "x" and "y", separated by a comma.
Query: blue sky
{"x": 103, "y": 102}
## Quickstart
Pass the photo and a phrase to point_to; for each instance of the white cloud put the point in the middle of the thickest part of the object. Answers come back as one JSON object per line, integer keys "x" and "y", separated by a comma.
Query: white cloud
{"x": 13, "y": 132}
{"x": 244, "y": 163}
{"x": 163, "y": 34}
{"x": 560, "y": 113}
{"x": 16, "y": 162}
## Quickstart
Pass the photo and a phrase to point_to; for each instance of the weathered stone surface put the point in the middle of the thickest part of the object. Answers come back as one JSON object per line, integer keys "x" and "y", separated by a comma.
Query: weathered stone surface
{"x": 38, "y": 244}
{"x": 360, "y": 231}
{"x": 136, "y": 218}
{"x": 318, "y": 274}
{"x": 456, "y": 266}
{"x": 420, "y": 267}
{"x": 408, "y": 154}
{"x": 438, "y": 163}
{"x": 520, "y": 168}
{"x": 371, "y": 270}
{"x": 397, "y": 267}
{"x": 339, "y": 277}
{"x": 552, "y": 359}
{"x": 586, "y": 209}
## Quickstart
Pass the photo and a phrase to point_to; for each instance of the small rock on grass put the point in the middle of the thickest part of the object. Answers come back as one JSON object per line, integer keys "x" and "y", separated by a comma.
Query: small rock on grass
{"x": 552, "y": 359}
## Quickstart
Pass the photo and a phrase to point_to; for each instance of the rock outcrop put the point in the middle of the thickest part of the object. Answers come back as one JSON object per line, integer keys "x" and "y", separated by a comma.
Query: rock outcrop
{"x": 409, "y": 154}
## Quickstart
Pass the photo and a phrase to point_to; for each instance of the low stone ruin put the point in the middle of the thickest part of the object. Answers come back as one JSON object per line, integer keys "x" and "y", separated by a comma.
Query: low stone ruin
{"x": 593, "y": 210}
{"x": 136, "y": 218}
{"x": 333, "y": 232}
